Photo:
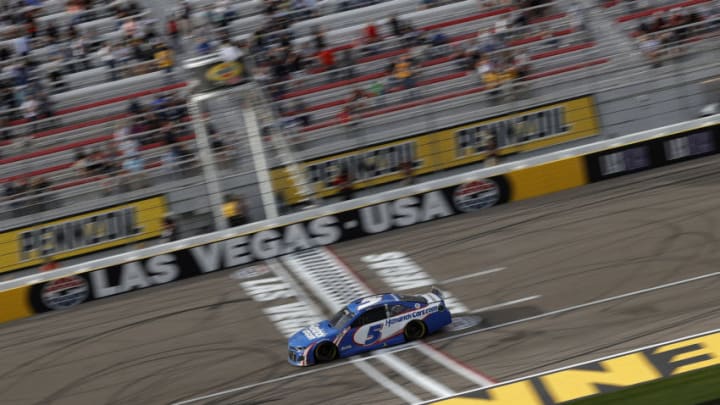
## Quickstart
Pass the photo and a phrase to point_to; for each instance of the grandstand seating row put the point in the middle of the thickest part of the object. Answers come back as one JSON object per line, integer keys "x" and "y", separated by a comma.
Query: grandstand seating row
{"x": 555, "y": 46}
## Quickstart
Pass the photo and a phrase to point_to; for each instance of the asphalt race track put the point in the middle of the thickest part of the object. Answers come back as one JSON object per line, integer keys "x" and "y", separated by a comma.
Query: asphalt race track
{"x": 555, "y": 281}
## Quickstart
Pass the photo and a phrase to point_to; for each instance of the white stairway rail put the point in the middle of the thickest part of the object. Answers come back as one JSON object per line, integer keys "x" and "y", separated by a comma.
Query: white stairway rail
{"x": 280, "y": 147}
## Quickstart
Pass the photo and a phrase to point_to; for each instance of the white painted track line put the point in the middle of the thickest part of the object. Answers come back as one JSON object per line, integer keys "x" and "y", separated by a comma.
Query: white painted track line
{"x": 280, "y": 271}
{"x": 640, "y": 349}
{"x": 581, "y": 306}
{"x": 505, "y": 304}
{"x": 452, "y": 365}
{"x": 389, "y": 384}
{"x": 472, "y": 275}
{"x": 365, "y": 367}
{"x": 452, "y": 337}
{"x": 412, "y": 374}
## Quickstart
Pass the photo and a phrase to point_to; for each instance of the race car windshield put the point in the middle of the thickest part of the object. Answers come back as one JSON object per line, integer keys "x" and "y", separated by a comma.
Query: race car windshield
{"x": 341, "y": 318}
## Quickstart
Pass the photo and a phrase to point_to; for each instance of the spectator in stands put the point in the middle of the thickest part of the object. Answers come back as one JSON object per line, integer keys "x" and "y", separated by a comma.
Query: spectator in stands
{"x": 488, "y": 42}
{"x": 31, "y": 110}
{"x": 344, "y": 184}
{"x": 319, "y": 38}
{"x": 170, "y": 231}
{"x": 650, "y": 47}
{"x": 9, "y": 190}
{"x": 438, "y": 38}
{"x": 130, "y": 28}
{"x": 521, "y": 62}
{"x": 133, "y": 165}
{"x": 81, "y": 162}
{"x": 45, "y": 109}
{"x": 79, "y": 52}
{"x": 347, "y": 63}
{"x": 375, "y": 92}
{"x": 370, "y": 37}
{"x": 186, "y": 157}
{"x": 421, "y": 52}
{"x": 107, "y": 57}
{"x": 234, "y": 210}
{"x": 8, "y": 101}
{"x": 95, "y": 163}
{"x": 490, "y": 141}
{"x": 38, "y": 188}
{"x": 302, "y": 114}
{"x": 403, "y": 73}
{"x": 502, "y": 24}
{"x": 172, "y": 31}
{"x": 221, "y": 149}
{"x": 52, "y": 34}
{"x": 345, "y": 115}
{"x": 408, "y": 171}
{"x": 22, "y": 45}
{"x": 168, "y": 133}
{"x": 229, "y": 52}
{"x": 396, "y": 27}
{"x": 55, "y": 75}
{"x": 326, "y": 59}
{"x": 129, "y": 147}
{"x": 5, "y": 133}
{"x": 135, "y": 107}
{"x": 164, "y": 59}
{"x": 185, "y": 13}
{"x": 20, "y": 70}
{"x": 357, "y": 102}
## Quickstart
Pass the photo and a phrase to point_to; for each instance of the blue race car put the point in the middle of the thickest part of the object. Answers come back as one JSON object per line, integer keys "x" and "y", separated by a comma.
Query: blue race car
{"x": 369, "y": 323}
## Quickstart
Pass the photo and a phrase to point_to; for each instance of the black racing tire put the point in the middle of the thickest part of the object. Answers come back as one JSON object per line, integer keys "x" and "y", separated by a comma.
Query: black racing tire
{"x": 415, "y": 330}
{"x": 325, "y": 352}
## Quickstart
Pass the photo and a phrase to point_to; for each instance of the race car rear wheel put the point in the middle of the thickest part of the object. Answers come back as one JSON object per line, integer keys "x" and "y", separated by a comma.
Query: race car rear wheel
{"x": 415, "y": 330}
{"x": 325, "y": 352}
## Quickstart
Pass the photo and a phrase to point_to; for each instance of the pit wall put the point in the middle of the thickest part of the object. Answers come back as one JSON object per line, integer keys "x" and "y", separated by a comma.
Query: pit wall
{"x": 466, "y": 193}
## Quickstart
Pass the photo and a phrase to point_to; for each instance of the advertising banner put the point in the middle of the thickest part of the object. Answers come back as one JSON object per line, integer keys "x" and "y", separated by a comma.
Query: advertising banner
{"x": 462, "y": 195}
{"x": 653, "y": 153}
{"x": 214, "y": 74}
{"x": 69, "y": 291}
{"x": 82, "y": 234}
{"x": 448, "y": 148}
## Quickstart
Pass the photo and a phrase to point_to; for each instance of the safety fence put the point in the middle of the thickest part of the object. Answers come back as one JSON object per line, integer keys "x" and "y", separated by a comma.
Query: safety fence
{"x": 405, "y": 206}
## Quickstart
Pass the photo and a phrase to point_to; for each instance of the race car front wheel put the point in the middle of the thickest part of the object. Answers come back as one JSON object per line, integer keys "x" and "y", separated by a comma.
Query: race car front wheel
{"x": 415, "y": 330}
{"x": 325, "y": 352}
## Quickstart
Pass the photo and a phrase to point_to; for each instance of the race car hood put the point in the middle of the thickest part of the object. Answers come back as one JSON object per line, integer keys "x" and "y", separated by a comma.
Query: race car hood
{"x": 313, "y": 333}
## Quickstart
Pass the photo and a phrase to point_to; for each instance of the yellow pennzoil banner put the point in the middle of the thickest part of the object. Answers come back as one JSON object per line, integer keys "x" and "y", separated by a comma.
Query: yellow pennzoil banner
{"x": 82, "y": 234}
{"x": 456, "y": 146}
{"x": 601, "y": 376}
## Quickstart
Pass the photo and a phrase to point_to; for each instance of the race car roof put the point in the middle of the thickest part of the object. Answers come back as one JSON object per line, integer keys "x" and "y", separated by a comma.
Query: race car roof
{"x": 386, "y": 298}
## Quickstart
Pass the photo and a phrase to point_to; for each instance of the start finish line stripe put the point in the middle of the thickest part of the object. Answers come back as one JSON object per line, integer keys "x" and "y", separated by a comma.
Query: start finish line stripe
{"x": 336, "y": 285}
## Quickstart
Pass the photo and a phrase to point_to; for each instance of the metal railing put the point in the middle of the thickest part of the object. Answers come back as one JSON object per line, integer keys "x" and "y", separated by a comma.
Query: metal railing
{"x": 97, "y": 186}
{"x": 86, "y": 132}
{"x": 41, "y": 162}
{"x": 350, "y": 30}
{"x": 484, "y": 103}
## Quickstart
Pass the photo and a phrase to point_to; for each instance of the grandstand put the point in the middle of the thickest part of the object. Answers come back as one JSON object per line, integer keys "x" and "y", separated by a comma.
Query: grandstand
{"x": 96, "y": 108}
